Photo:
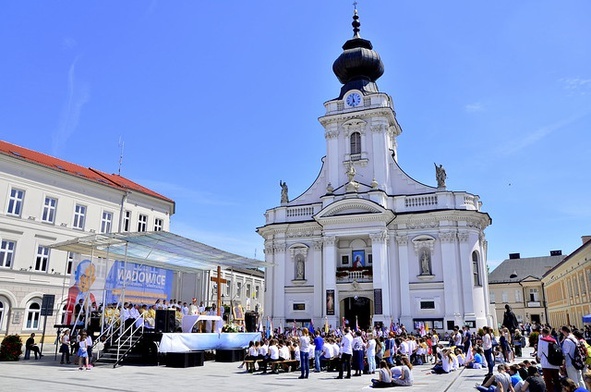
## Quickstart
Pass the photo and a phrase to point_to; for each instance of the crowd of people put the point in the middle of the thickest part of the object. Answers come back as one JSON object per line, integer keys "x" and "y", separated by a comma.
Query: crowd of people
{"x": 390, "y": 355}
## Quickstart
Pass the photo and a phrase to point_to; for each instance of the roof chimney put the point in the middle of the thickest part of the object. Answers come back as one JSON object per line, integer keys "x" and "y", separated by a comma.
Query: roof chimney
{"x": 513, "y": 256}
{"x": 555, "y": 253}
{"x": 586, "y": 238}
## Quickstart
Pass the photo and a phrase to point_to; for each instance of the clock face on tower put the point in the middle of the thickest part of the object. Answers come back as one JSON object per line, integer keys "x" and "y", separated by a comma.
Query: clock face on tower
{"x": 353, "y": 99}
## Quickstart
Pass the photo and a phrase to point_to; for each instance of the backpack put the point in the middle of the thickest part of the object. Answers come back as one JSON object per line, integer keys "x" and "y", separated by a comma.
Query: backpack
{"x": 580, "y": 357}
{"x": 555, "y": 355}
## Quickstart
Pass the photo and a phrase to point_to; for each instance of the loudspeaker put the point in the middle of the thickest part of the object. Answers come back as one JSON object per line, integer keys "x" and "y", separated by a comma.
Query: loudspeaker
{"x": 250, "y": 321}
{"x": 165, "y": 320}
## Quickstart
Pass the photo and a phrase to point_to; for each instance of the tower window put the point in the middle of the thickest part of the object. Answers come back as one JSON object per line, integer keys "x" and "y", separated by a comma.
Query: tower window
{"x": 355, "y": 144}
{"x": 476, "y": 269}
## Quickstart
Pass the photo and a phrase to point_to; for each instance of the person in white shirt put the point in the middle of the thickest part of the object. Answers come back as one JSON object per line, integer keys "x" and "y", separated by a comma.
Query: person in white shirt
{"x": 346, "y": 354}
{"x": 272, "y": 357}
{"x": 370, "y": 353}
{"x": 193, "y": 308}
{"x": 569, "y": 345}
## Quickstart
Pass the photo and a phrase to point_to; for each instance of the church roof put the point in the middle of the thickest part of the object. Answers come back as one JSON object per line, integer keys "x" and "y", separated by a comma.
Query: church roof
{"x": 111, "y": 180}
{"x": 515, "y": 270}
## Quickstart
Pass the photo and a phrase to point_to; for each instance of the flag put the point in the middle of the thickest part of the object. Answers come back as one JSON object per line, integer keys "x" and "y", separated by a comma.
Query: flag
{"x": 344, "y": 324}
{"x": 356, "y": 323}
{"x": 392, "y": 325}
{"x": 312, "y": 332}
{"x": 280, "y": 330}
{"x": 293, "y": 328}
{"x": 422, "y": 329}
{"x": 260, "y": 328}
{"x": 269, "y": 327}
{"x": 326, "y": 325}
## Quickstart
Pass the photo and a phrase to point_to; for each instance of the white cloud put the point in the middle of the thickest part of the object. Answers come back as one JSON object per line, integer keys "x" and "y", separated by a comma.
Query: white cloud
{"x": 533, "y": 137}
{"x": 582, "y": 86}
{"x": 474, "y": 107}
{"x": 78, "y": 96}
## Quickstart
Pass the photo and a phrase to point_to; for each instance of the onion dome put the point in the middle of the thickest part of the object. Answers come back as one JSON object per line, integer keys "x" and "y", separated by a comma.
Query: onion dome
{"x": 359, "y": 66}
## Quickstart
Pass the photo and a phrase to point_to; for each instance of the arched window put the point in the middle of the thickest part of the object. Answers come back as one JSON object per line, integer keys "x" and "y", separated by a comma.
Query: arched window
{"x": 355, "y": 143}
{"x": 33, "y": 315}
{"x": 476, "y": 268}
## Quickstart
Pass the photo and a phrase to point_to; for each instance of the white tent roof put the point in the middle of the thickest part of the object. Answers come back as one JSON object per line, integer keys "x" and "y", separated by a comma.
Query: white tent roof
{"x": 158, "y": 249}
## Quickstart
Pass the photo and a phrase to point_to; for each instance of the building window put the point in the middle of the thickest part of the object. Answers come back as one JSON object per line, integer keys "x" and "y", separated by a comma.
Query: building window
{"x": 70, "y": 263}
{"x": 505, "y": 297}
{"x": 582, "y": 283}
{"x": 7, "y": 253}
{"x": 42, "y": 258}
{"x": 127, "y": 221}
{"x": 355, "y": 144}
{"x": 427, "y": 304}
{"x": 492, "y": 298}
{"x": 533, "y": 295}
{"x": 248, "y": 292}
{"x": 257, "y": 292}
{"x": 518, "y": 295}
{"x": 79, "y": 216}
{"x": 106, "y": 222}
{"x": 158, "y": 223}
{"x": 33, "y": 316}
{"x": 49, "y": 207}
{"x": 476, "y": 269}
{"x": 344, "y": 260}
{"x": 15, "y": 202}
{"x": 575, "y": 285}
{"x": 228, "y": 286}
{"x": 142, "y": 223}
{"x": 369, "y": 259}
{"x": 238, "y": 289}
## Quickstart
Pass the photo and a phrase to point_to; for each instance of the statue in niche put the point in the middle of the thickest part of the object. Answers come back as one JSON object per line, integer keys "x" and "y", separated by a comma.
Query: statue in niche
{"x": 440, "y": 175}
{"x": 299, "y": 268}
{"x": 284, "y": 196}
{"x": 425, "y": 263}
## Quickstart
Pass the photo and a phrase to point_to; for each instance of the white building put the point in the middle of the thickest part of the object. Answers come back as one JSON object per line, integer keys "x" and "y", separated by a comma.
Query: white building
{"x": 366, "y": 241}
{"x": 44, "y": 200}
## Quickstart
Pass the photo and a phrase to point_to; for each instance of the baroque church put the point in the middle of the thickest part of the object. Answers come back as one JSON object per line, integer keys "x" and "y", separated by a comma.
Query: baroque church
{"x": 388, "y": 250}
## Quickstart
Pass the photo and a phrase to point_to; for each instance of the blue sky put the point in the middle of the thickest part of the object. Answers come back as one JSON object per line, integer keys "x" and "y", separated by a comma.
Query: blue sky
{"x": 217, "y": 101}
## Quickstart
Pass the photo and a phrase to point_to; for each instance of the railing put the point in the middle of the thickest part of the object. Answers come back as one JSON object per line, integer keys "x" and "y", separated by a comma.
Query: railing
{"x": 354, "y": 275}
{"x": 126, "y": 341}
{"x": 300, "y": 211}
{"x": 420, "y": 201}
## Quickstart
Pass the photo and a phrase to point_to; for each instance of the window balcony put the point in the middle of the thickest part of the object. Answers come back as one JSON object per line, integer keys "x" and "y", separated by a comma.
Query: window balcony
{"x": 349, "y": 275}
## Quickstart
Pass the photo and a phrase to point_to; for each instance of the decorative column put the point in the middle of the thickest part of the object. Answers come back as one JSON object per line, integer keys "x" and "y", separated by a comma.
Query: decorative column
{"x": 381, "y": 277}
{"x": 450, "y": 276}
{"x": 467, "y": 278}
{"x": 269, "y": 298}
{"x": 330, "y": 280}
{"x": 404, "y": 281}
{"x": 319, "y": 293}
{"x": 279, "y": 276}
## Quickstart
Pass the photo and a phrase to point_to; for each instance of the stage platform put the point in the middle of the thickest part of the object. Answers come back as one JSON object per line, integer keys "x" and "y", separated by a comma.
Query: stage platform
{"x": 182, "y": 342}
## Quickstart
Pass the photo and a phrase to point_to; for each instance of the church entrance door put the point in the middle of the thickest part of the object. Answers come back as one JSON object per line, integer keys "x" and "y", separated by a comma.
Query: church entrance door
{"x": 357, "y": 307}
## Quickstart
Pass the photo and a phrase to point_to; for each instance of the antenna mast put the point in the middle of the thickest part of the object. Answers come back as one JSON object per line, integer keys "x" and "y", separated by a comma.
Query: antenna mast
{"x": 121, "y": 146}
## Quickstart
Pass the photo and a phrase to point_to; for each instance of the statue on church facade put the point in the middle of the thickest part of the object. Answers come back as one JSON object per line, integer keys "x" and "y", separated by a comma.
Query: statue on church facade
{"x": 440, "y": 175}
{"x": 425, "y": 263}
{"x": 284, "y": 196}
{"x": 351, "y": 172}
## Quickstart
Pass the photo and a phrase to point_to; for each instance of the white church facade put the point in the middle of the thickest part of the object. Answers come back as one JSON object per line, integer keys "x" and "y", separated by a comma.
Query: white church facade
{"x": 366, "y": 242}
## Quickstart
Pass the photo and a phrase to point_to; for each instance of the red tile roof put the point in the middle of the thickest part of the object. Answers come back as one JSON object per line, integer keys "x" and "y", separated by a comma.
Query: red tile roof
{"x": 90, "y": 174}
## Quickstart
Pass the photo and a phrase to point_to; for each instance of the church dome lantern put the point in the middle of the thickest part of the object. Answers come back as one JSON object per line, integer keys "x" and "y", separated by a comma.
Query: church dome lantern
{"x": 359, "y": 66}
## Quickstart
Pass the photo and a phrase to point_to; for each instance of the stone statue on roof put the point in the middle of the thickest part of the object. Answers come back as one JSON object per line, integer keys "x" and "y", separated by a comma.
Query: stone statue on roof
{"x": 284, "y": 196}
{"x": 440, "y": 175}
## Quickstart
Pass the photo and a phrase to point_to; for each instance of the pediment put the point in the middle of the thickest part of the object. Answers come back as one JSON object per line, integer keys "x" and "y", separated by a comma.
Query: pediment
{"x": 358, "y": 208}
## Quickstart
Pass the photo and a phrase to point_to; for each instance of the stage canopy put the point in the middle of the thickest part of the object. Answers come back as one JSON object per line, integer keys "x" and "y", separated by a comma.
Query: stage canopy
{"x": 158, "y": 249}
